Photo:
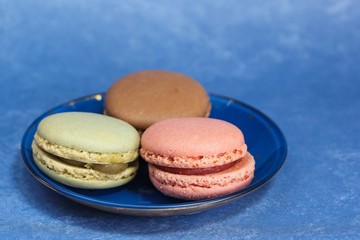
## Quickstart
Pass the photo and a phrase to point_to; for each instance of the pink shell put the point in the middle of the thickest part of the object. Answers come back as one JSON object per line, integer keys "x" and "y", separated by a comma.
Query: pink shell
{"x": 196, "y": 187}
{"x": 193, "y": 137}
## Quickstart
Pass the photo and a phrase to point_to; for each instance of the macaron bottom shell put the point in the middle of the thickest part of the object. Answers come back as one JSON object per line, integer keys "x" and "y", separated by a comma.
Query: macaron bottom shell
{"x": 197, "y": 187}
{"x": 80, "y": 177}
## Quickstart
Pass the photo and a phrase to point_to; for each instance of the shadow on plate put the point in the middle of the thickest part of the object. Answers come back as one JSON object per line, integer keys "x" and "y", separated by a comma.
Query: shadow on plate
{"x": 55, "y": 206}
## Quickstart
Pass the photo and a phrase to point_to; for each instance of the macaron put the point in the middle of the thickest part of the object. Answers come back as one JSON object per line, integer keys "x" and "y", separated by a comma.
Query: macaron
{"x": 86, "y": 150}
{"x": 145, "y": 97}
{"x": 196, "y": 158}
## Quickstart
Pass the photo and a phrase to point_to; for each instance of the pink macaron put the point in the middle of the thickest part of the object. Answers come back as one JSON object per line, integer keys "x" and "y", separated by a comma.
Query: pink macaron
{"x": 196, "y": 158}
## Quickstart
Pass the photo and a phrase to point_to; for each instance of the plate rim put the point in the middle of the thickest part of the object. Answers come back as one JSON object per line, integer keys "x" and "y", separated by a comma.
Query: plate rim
{"x": 170, "y": 209}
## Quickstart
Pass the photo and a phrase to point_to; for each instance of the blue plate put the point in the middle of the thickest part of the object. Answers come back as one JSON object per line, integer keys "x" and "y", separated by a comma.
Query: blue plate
{"x": 264, "y": 139}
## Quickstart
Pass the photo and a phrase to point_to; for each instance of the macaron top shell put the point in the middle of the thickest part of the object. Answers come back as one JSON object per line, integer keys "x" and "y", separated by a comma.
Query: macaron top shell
{"x": 89, "y": 132}
{"x": 192, "y": 139}
{"x": 146, "y": 97}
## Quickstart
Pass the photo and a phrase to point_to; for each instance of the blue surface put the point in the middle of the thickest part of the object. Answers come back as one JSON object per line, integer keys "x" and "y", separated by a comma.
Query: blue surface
{"x": 266, "y": 143}
{"x": 297, "y": 61}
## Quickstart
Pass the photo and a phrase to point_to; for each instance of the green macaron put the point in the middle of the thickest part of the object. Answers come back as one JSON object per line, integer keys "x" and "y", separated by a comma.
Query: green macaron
{"x": 86, "y": 150}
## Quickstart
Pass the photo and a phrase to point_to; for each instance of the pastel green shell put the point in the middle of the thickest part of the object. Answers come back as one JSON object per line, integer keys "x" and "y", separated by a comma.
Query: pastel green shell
{"x": 89, "y": 132}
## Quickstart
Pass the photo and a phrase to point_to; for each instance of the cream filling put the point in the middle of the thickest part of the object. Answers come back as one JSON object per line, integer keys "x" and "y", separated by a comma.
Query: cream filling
{"x": 112, "y": 168}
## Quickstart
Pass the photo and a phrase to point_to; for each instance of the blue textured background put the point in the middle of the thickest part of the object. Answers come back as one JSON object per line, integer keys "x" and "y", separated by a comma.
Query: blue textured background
{"x": 297, "y": 61}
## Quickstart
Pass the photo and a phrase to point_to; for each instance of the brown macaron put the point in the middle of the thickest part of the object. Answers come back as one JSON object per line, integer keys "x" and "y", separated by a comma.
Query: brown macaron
{"x": 145, "y": 97}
